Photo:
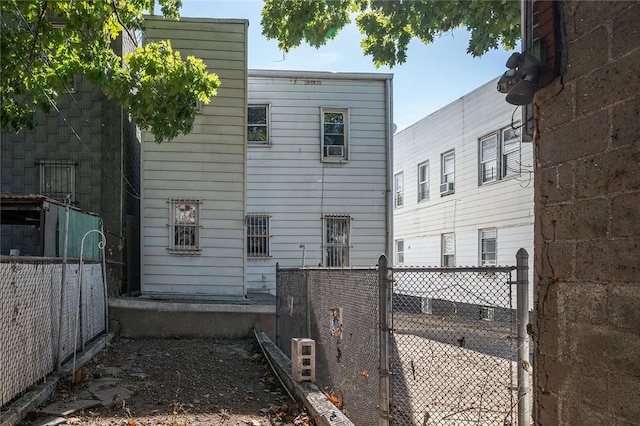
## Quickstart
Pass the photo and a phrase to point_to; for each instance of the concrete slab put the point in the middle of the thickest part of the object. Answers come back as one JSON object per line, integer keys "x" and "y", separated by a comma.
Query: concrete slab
{"x": 51, "y": 421}
{"x": 64, "y": 408}
{"x": 103, "y": 383}
{"x": 107, "y": 396}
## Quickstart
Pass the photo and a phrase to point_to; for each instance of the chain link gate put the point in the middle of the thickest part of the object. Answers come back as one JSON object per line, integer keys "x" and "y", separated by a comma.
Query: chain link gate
{"x": 453, "y": 346}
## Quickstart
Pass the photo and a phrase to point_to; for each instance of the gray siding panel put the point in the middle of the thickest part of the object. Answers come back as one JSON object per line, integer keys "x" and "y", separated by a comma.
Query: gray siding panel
{"x": 208, "y": 164}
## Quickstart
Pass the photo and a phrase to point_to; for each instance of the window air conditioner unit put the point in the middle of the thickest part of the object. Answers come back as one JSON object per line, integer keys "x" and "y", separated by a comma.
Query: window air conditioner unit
{"x": 334, "y": 150}
{"x": 446, "y": 188}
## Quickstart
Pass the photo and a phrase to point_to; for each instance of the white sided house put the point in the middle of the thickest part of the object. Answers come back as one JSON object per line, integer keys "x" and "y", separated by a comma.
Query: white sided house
{"x": 463, "y": 185}
{"x": 318, "y": 171}
{"x": 193, "y": 188}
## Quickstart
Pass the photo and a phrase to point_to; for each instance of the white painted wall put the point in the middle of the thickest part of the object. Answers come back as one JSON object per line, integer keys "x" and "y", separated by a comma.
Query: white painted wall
{"x": 207, "y": 164}
{"x": 288, "y": 181}
{"x": 506, "y": 205}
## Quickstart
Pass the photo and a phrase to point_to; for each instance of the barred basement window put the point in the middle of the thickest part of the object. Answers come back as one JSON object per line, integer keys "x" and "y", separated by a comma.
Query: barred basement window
{"x": 184, "y": 226}
{"x": 337, "y": 240}
{"x": 258, "y": 237}
{"x": 58, "y": 180}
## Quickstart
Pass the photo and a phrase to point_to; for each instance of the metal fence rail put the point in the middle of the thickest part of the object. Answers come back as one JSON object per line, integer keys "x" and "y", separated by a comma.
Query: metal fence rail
{"x": 30, "y": 317}
{"x": 452, "y": 346}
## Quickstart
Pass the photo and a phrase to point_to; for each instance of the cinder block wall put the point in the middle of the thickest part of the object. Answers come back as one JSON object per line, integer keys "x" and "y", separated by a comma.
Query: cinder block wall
{"x": 587, "y": 229}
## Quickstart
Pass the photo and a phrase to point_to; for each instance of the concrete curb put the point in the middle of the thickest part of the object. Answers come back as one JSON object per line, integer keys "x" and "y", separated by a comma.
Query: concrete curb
{"x": 321, "y": 410}
{"x": 19, "y": 409}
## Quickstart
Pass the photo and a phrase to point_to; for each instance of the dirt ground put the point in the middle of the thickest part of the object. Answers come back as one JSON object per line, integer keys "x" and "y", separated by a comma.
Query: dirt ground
{"x": 175, "y": 382}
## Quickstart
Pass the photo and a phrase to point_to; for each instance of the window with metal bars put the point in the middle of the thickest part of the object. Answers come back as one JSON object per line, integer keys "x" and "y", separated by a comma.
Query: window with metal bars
{"x": 184, "y": 226}
{"x": 337, "y": 240}
{"x": 258, "y": 236}
{"x": 499, "y": 155}
{"x": 58, "y": 180}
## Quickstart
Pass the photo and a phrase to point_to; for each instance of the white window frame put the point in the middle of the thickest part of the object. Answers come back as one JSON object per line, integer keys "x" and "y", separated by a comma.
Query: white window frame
{"x": 329, "y": 152}
{"x": 507, "y": 143}
{"x": 266, "y": 125}
{"x": 423, "y": 181}
{"x": 189, "y": 243}
{"x": 447, "y": 175}
{"x": 398, "y": 190}
{"x": 258, "y": 227}
{"x": 487, "y": 235}
{"x": 487, "y": 313}
{"x": 399, "y": 252}
{"x": 448, "y": 250}
{"x": 56, "y": 168}
{"x": 336, "y": 253}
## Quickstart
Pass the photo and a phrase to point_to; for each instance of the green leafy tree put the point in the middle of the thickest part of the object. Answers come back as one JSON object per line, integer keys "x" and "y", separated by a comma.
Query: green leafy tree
{"x": 389, "y": 25}
{"x": 46, "y": 43}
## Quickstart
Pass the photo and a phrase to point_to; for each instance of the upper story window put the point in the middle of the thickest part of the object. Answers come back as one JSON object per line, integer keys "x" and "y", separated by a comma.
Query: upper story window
{"x": 449, "y": 249}
{"x": 335, "y": 134}
{"x": 337, "y": 240}
{"x": 258, "y": 237}
{"x": 184, "y": 226}
{"x": 447, "y": 173}
{"x": 499, "y": 155}
{"x": 399, "y": 252}
{"x": 423, "y": 181}
{"x": 258, "y": 125}
{"x": 488, "y": 238}
{"x": 58, "y": 180}
{"x": 398, "y": 185}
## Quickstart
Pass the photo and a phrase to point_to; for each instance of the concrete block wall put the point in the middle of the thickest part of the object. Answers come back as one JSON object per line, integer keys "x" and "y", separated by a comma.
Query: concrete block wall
{"x": 587, "y": 229}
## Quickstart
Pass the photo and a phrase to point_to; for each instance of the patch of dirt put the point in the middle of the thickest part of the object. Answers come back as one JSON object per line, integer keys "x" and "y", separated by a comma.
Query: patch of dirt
{"x": 178, "y": 382}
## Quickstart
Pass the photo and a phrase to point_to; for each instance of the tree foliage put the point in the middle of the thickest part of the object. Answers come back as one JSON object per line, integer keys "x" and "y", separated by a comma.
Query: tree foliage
{"x": 46, "y": 43}
{"x": 389, "y": 25}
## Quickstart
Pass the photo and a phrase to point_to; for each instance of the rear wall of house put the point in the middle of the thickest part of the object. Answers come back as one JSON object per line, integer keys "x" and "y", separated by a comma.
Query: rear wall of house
{"x": 208, "y": 165}
{"x": 587, "y": 363}
{"x": 288, "y": 181}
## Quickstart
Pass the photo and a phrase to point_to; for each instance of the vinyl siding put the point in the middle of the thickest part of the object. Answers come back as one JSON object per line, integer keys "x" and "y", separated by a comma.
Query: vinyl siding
{"x": 287, "y": 180}
{"x": 208, "y": 164}
{"x": 506, "y": 205}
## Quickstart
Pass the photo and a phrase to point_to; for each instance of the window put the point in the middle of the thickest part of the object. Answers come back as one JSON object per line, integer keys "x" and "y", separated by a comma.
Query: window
{"x": 449, "y": 249}
{"x": 398, "y": 184}
{"x": 258, "y": 125}
{"x": 399, "y": 252}
{"x": 499, "y": 155}
{"x": 423, "y": 181}
{"x": 184, "y": 224}
{"x": 510, "y": 152}
{"x": 489, "y": 158}
{"x": 258, "y": 235}
{"x": 447, "y": 175}
{"x": 58, "y": 180}
{"x": 488, "y": 247}
{"x": 336, "y": 240}
{"x": 487, "y": 313}
{"x": 334, "y": 134}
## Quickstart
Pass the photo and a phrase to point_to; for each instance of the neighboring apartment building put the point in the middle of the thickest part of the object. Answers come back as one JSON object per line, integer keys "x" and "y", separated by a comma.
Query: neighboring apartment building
{"x": 463, "y": 185}
{"x": 84, "y": 153}
{"x": 318, "y": 171}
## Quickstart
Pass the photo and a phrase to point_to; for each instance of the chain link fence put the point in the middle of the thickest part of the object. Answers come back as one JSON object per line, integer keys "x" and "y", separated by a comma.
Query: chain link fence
{"x": 409, "y": 346}
{"x": 453, "y": 349}
{"x": 338, "y": 308}
{"x": 32, "y": 312}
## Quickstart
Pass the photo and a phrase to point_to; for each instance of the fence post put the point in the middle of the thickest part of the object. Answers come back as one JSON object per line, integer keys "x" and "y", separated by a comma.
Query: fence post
{"x": 383, "y": 295}
{"x": 522, "y": 291}
{"x": 63, "y": 279}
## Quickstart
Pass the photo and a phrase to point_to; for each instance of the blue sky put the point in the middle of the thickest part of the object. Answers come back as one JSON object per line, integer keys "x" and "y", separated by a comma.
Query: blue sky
{"x": 433, "y": 76}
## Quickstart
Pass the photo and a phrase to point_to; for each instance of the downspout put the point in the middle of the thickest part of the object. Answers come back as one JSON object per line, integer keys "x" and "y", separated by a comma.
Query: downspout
{"x": 389, "y": 204}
